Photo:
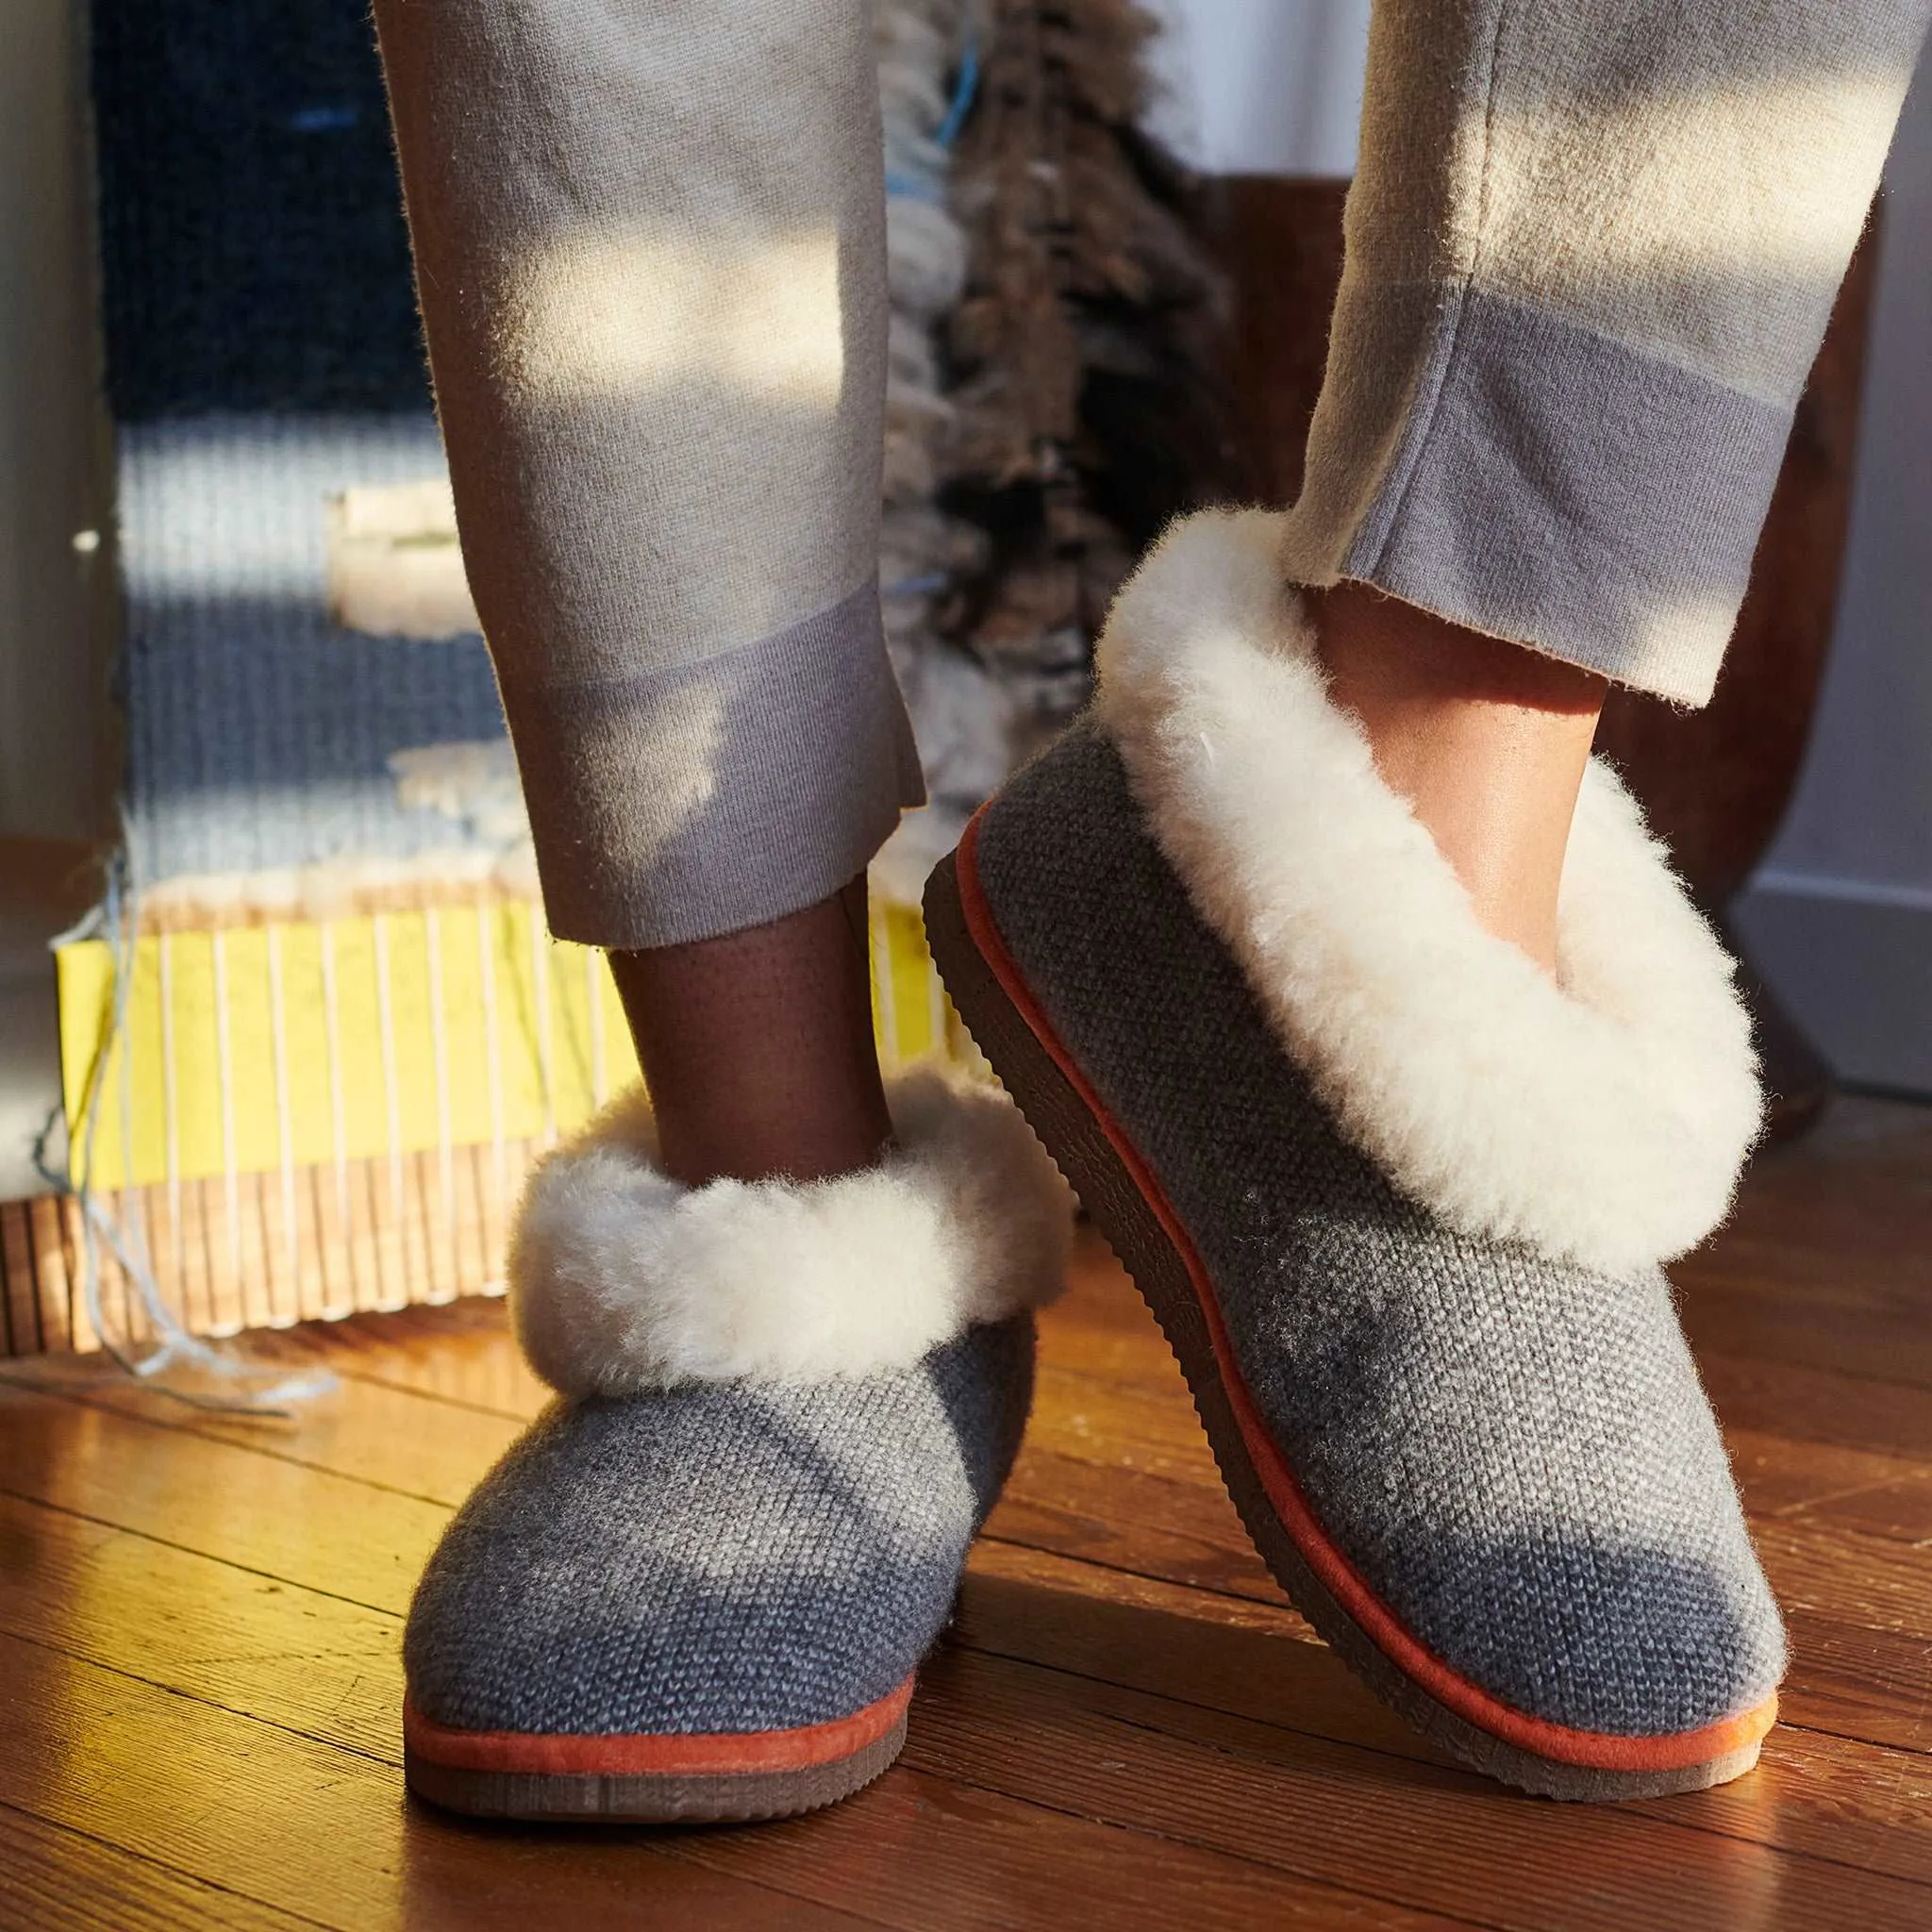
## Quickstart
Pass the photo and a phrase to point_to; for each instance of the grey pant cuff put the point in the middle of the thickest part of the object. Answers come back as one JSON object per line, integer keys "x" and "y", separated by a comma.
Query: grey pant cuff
{"x": 677, "y": 804}
{"x": 1538, "y": 481}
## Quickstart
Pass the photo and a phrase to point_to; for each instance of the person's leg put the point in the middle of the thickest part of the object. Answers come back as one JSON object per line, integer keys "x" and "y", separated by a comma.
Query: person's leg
{"x": 650, "y": 256}
{"x": 759, "y": 1046}
{"x": 1487, "y": 742}
{"x": 1248, "y": 944}
{"x": 1591, "y": 251}
{"x": 795, "y": 1360}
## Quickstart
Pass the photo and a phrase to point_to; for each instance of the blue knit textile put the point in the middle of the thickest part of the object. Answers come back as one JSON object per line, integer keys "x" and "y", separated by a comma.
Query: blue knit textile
{"x": 252, "y": 252}
{"x": 258, "y": 732}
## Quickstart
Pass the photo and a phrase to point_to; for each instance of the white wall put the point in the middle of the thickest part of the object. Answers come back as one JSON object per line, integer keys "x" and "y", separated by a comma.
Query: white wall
{"x": 1840, "y": 917}
{"x": 50, "y": 484}
{"x": 1864, "y": 807}
{"x": 1263, "y": 87}
{"x": 51, "y": 487}
{"x": 1841, "y": 913}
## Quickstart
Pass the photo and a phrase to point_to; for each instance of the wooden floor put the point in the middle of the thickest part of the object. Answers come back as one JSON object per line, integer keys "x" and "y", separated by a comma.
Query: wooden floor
{"x": 199, "y": 1678}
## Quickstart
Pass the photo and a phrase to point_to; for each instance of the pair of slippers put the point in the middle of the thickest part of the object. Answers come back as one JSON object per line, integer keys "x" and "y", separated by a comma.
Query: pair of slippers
{"x": 1398, "y": 1199}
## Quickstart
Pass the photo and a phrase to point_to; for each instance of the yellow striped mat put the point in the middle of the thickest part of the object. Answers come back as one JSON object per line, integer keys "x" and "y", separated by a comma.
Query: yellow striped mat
{"x": 312, "y": 1119}
{"x": 253, "y": 1047}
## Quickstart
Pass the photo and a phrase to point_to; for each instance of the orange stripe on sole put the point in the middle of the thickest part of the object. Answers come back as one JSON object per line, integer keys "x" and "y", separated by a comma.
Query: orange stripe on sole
{"x": 655, "y": 1754}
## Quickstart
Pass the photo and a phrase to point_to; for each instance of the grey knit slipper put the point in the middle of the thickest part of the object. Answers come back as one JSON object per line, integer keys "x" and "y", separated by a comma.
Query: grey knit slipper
{"x": 699, "y": 1587}
{"x": 1398, "y": 1199}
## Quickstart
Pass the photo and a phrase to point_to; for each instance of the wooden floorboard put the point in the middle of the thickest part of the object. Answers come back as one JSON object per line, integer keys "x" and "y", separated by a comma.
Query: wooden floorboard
{"x": 312, "y": 1830}
{"x": 64, "y": 1881}
{"x": 1128, "y": 1725}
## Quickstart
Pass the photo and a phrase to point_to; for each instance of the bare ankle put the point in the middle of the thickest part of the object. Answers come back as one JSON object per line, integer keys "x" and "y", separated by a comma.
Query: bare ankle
{"x": 1487, "y": 739}
{"x": 757, "y": 1047}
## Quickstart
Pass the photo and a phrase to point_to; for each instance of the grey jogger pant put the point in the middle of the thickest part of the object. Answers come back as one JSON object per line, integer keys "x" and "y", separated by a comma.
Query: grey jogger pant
{"x": 1593, "y": 246}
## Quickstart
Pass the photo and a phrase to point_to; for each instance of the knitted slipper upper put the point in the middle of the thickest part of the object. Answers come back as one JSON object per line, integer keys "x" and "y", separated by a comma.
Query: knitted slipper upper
{"x": 1381, "y": 1142}
{"x": 794, "y": 1406}
{"x": 721, "y": 1556}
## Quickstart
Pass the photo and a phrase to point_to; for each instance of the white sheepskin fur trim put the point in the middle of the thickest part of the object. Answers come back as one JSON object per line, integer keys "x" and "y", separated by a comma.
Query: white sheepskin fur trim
{"x": 623, "y": 1280}
{"x": 1603, "y": 1116}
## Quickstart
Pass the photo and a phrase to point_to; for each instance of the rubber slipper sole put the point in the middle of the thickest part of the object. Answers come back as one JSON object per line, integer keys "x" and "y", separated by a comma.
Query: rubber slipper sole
{"x": 1125, "y": 1201}
{"x": 730, "y": 1777}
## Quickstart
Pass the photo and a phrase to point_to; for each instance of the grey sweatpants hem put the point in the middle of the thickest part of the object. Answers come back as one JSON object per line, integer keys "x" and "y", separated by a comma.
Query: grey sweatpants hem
{"x": 680, "y": 804}
{"x": 1549, "y": 485}
{"x": 1591, "y": 249}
